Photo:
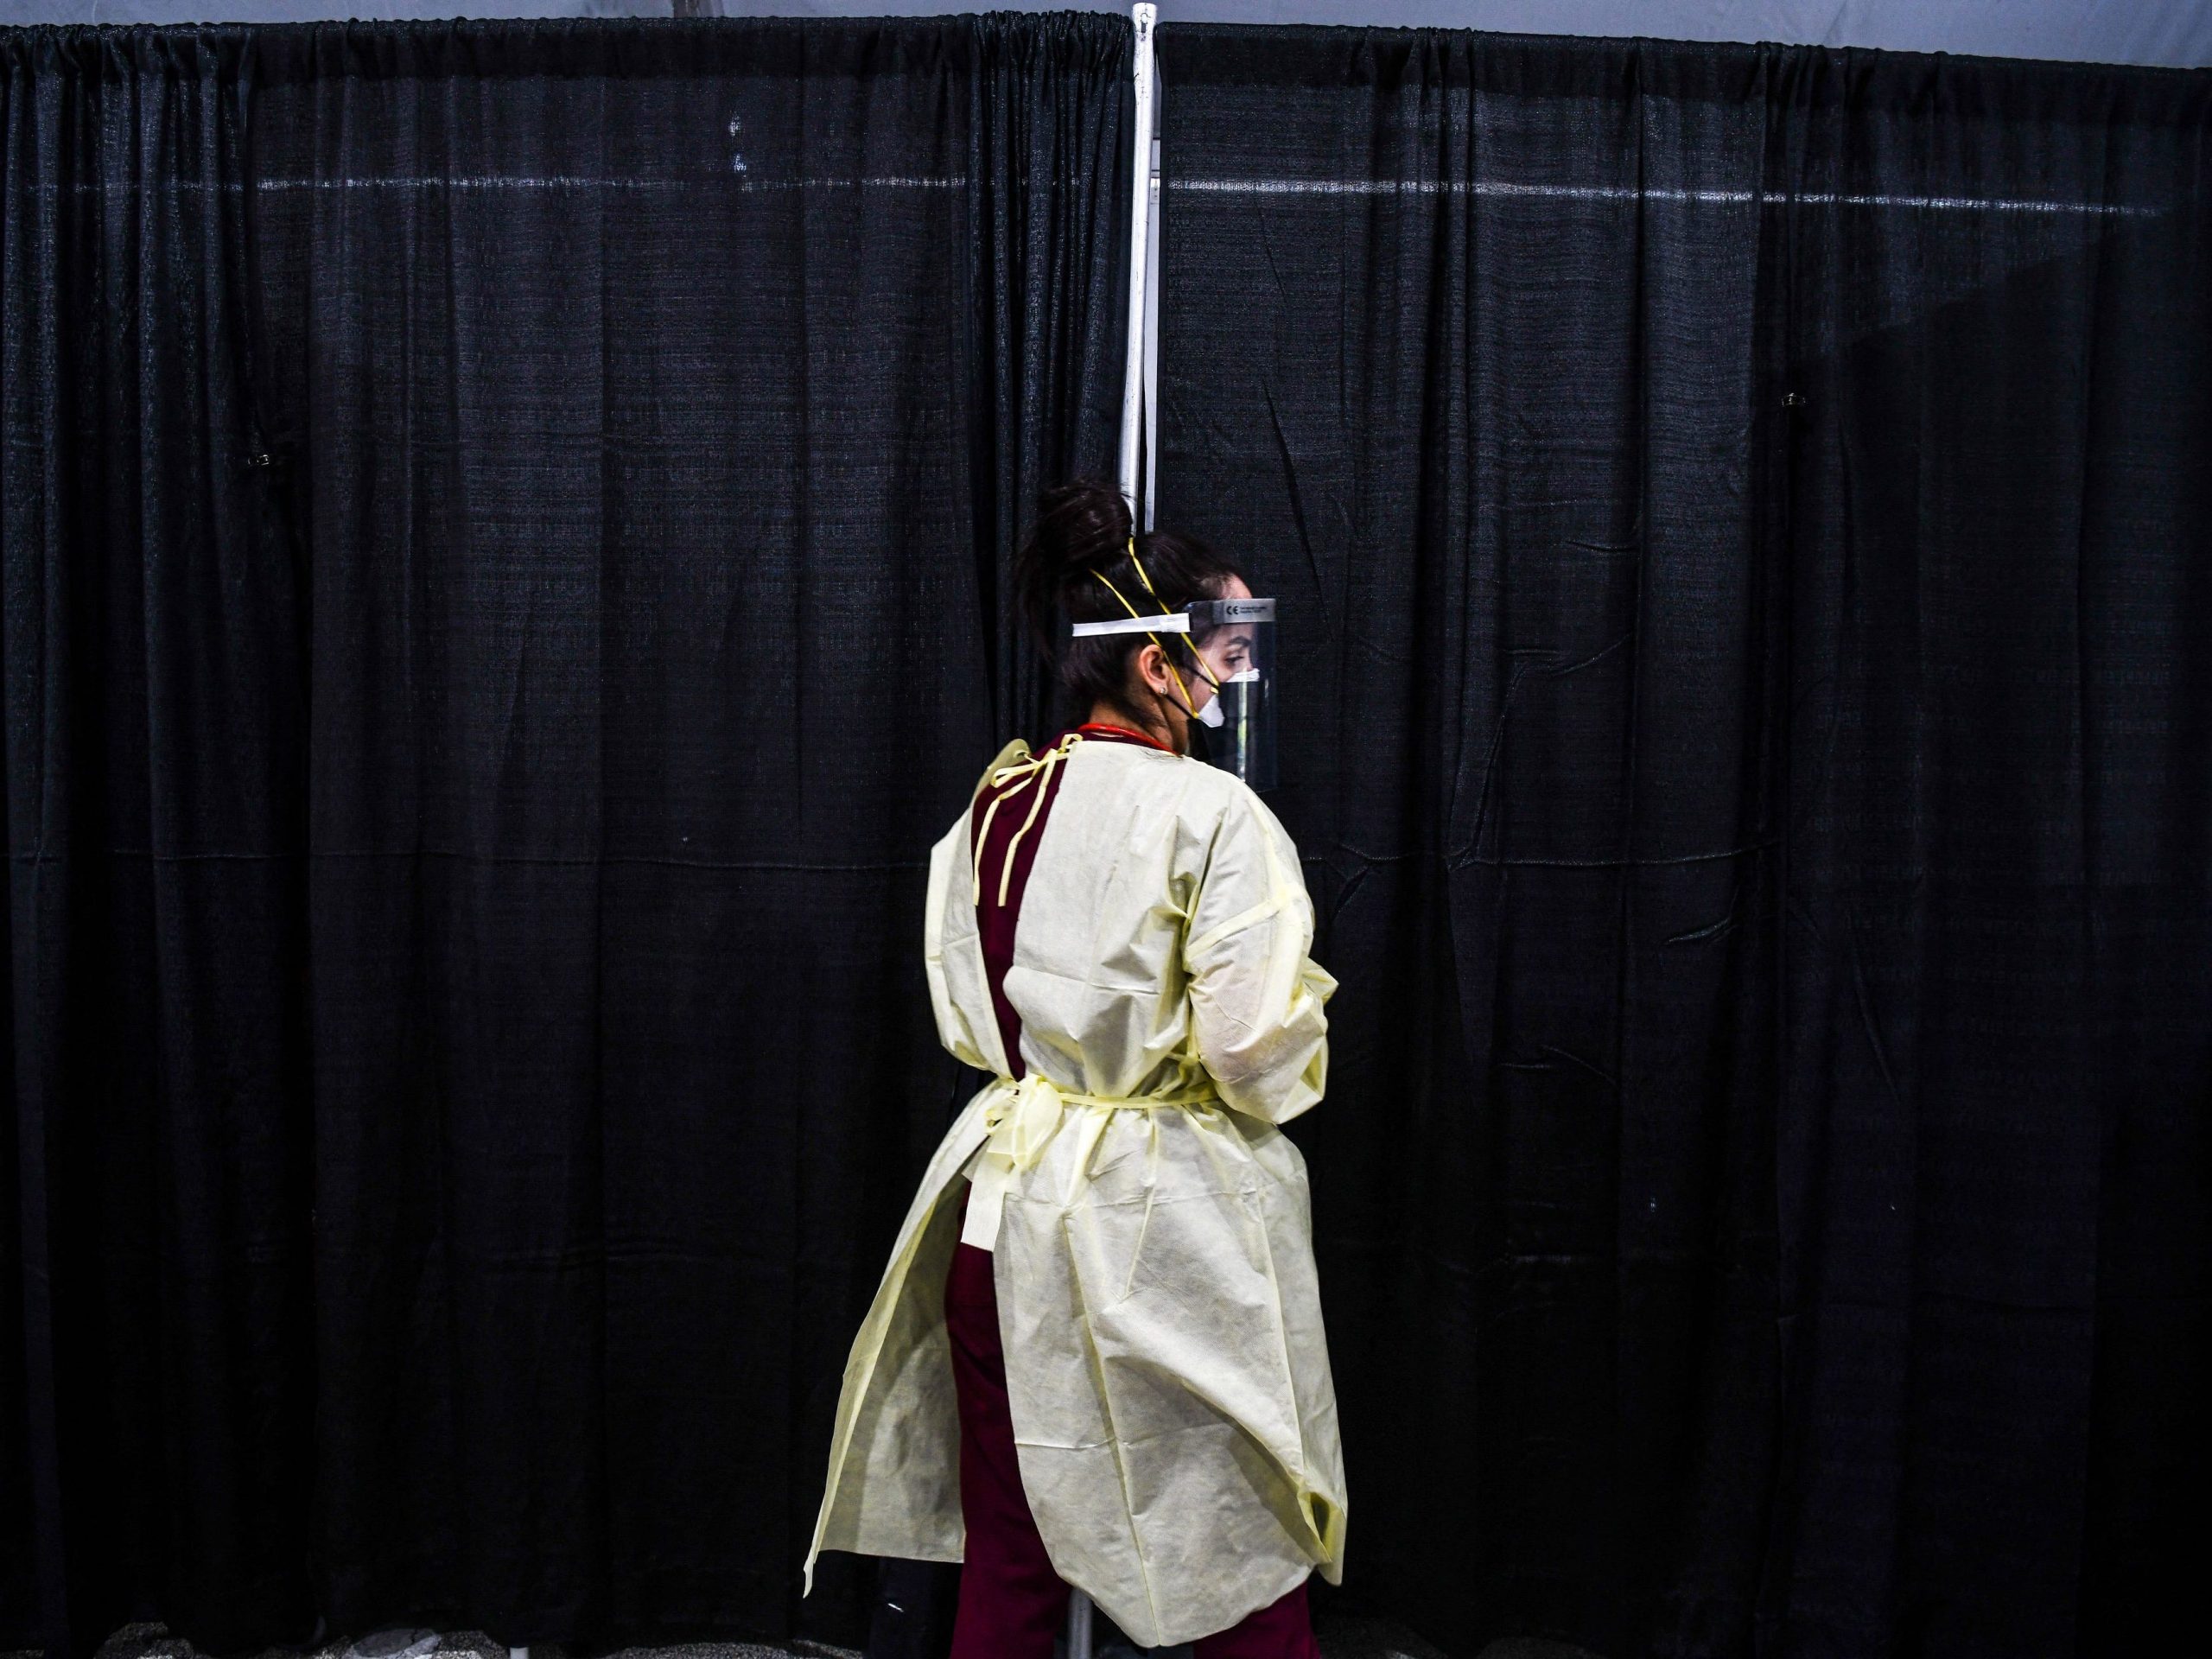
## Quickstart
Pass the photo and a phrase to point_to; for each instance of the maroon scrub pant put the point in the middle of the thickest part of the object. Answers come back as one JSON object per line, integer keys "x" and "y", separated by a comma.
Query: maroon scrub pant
{"x": 1012, "y": 1603}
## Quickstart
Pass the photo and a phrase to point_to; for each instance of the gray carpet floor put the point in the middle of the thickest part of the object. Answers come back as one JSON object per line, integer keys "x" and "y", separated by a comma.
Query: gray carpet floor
{"x": 1339, "y": 1639}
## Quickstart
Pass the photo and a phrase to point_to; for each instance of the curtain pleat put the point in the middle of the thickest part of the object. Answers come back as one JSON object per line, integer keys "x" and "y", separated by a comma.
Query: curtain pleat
{"x": 1048, "y": 185}
{"x": 154, "y": 1227}
{"x": 1739, "y": 513}
{"x": 507, "y": 532}
{"x": 497, "y": 611}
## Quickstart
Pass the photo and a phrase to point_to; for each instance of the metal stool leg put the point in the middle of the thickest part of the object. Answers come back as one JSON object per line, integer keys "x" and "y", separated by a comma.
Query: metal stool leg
{"x": 1078, "y": 1625}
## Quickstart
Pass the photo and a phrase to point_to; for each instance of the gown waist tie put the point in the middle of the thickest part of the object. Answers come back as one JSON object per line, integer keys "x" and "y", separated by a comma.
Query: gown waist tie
{"x": 1024, "y": 1116}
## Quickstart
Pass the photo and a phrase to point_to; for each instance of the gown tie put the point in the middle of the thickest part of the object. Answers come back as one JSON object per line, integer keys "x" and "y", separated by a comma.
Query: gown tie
{"x": 1022, "y": 1117}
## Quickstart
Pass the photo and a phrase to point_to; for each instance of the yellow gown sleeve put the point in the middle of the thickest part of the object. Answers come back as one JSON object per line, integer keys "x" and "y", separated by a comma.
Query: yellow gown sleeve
{"x": 951, "y": 957}
{"x": 1256, "y": 995}
{"x": 949, "y": 865}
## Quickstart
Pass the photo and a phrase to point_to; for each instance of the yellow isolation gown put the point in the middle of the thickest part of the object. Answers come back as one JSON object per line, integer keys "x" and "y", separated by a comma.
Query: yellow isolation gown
{"x": 1166, "y": 1372}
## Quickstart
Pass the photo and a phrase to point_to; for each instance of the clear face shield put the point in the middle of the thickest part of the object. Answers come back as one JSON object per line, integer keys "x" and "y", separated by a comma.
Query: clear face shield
{"x": 1234, "y": 642}
{"x": 1223, "y": 669}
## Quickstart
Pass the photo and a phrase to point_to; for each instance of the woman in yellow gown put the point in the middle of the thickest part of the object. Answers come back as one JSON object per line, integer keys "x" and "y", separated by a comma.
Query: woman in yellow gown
{"x": 1100, "y": 1331}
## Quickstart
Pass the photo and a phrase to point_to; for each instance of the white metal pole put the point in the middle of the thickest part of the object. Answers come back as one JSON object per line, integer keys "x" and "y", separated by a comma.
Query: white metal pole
{"x": 1139, "y": 252}
{"x": 1149, "y": 475}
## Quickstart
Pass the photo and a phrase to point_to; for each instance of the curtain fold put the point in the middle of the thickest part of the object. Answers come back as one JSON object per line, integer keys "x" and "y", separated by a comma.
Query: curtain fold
{"x": 1741, "y": 514}
{"x": 503, "y": 619}
{"x": 1996, "y": 1186}
{"x": 1048, "y": 184}
{"x": 506, "y": 539}
{"x": 155, "y": 1357}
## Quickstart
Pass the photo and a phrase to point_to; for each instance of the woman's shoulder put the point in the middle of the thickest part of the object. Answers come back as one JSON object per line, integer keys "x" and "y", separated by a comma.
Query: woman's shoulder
{"x": 1213, "y": 809}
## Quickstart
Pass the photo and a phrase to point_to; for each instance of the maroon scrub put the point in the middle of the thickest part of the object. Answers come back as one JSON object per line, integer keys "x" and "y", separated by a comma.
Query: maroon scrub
{"x": 1012, "y": 1603}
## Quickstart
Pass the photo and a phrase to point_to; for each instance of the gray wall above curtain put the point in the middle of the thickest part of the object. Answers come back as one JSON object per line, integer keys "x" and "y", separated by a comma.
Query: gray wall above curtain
{"x": 2175, "y": 32}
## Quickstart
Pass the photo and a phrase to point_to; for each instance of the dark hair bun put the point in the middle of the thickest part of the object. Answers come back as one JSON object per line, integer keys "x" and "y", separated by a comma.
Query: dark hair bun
{"x": 1074, "y": 566}
{"x": 1081, "y": 527}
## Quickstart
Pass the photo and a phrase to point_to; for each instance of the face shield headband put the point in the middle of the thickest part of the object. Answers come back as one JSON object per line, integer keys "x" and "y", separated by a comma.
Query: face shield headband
{"x": 1164, "y": 621}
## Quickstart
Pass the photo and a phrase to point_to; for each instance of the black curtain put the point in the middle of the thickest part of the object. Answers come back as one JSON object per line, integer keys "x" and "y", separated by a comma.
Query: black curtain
{"x": 1745, "y": 517}
{"x": 505, "y": 535}
{"x": 1048, "y": 187}
{"x": 155, "y": 1351}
